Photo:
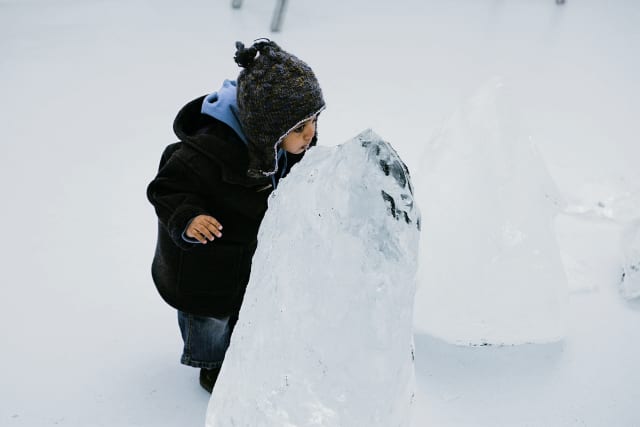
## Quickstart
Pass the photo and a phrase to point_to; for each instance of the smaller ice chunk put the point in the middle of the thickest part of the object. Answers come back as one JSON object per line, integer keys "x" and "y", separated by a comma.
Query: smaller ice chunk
{"x": 490, "y": 270}
{"x": 630, "y": 285}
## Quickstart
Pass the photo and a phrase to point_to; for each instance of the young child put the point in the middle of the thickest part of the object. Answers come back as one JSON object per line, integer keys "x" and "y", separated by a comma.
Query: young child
{"x": 211, "y": 190}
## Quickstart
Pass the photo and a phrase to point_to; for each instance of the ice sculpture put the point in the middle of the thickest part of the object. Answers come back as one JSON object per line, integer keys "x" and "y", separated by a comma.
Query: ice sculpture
{"x": 630, "y": 285}
{"x": 490, "y": 270}
{"x": 325, "y": 331}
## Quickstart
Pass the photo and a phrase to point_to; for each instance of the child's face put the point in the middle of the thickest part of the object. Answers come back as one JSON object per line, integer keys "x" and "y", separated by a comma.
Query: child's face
{"x": 299, "y": 139}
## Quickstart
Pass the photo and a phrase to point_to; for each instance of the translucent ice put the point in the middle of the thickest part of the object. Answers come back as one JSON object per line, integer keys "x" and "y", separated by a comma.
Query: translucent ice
{"x": 490, "y": 268}
{"x": 630, "y": 286}
{"x": 325, "y": 331}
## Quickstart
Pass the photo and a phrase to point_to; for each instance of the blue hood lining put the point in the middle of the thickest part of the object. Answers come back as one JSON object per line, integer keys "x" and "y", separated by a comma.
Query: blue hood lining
{"x": 223, "y": 105}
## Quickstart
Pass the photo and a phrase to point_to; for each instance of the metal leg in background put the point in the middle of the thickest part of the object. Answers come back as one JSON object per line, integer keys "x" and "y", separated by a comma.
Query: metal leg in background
{"x": 278, "y": 14}
{"x": 559, "y": 1}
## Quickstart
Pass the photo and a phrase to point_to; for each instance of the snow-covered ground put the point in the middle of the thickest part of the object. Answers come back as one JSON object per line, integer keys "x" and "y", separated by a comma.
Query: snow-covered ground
{"x": 89, "y": 89}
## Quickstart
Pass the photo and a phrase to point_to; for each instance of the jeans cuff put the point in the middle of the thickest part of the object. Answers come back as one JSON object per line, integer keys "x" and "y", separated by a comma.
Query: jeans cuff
{"x": 187, "y": 360}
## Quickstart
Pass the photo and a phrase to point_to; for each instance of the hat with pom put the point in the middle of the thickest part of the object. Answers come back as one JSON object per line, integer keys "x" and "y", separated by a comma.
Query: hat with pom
{"x": 276, "y": 93}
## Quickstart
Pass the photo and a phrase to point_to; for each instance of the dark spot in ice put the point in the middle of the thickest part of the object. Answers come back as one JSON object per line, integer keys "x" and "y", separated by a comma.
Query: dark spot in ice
{"x": 482, "y": 344}
{"x": 385, "y": 167}
{"x": 393, "y": 208}
{"x": 633, "y": 269}
{"x": 391, "y": 164}
{"x": 376, "y": 147}
{"x": 408, "y": 201}
{"x": 399, "y": 171}
{"x": 392, "y": 204}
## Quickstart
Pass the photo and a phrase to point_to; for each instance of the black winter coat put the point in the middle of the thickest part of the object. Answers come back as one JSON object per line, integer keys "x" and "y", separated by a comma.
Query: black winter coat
{"x": 205, "y": 173}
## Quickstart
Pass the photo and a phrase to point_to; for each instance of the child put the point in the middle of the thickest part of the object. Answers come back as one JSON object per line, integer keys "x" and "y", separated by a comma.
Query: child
{"x": 211, "y": 190}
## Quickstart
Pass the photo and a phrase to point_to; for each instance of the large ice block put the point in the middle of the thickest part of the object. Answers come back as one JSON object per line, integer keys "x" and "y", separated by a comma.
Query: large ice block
{"x": 325, "y": 331}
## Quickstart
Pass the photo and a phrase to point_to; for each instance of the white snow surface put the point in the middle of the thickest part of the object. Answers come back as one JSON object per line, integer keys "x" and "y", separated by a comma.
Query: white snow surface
{"x": 491, "y": 270}
{"x": 325, "y": 333}
{"x": 89, "y": 91}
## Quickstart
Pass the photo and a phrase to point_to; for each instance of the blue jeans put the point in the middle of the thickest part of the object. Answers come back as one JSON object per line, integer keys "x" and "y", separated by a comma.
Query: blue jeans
{"x": 206, "y": 340}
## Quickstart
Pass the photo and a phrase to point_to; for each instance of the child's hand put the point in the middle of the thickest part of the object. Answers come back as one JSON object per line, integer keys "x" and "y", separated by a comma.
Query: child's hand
{"x": 203, "y": 228}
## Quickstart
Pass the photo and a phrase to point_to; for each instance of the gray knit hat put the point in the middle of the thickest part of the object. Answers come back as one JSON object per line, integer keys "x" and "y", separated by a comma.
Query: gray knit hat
{"x": 276, "y": 93}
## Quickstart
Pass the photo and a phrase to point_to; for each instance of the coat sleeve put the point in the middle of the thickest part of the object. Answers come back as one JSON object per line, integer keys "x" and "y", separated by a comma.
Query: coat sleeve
{"x": 175, "y": 195}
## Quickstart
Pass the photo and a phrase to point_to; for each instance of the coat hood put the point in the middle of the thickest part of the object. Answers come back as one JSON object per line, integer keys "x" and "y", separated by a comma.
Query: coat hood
{"x": 217, "y": 141}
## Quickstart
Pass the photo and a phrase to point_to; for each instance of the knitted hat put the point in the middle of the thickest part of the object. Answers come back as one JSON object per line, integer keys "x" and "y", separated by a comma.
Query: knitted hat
{"x": 276, "y": 93}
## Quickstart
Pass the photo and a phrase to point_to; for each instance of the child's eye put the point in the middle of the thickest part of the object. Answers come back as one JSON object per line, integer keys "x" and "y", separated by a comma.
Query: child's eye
{"x": 300, "y": 128}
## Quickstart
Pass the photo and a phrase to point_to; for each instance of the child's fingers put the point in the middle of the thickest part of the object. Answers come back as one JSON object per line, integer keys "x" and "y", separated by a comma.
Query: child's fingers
{"x": 214, "y": 222}
{"x": 214, "y": 226}
{"x": 195, "y": 233}
{"x": 198, "y": 230}
{"x": 204, "y": 230}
